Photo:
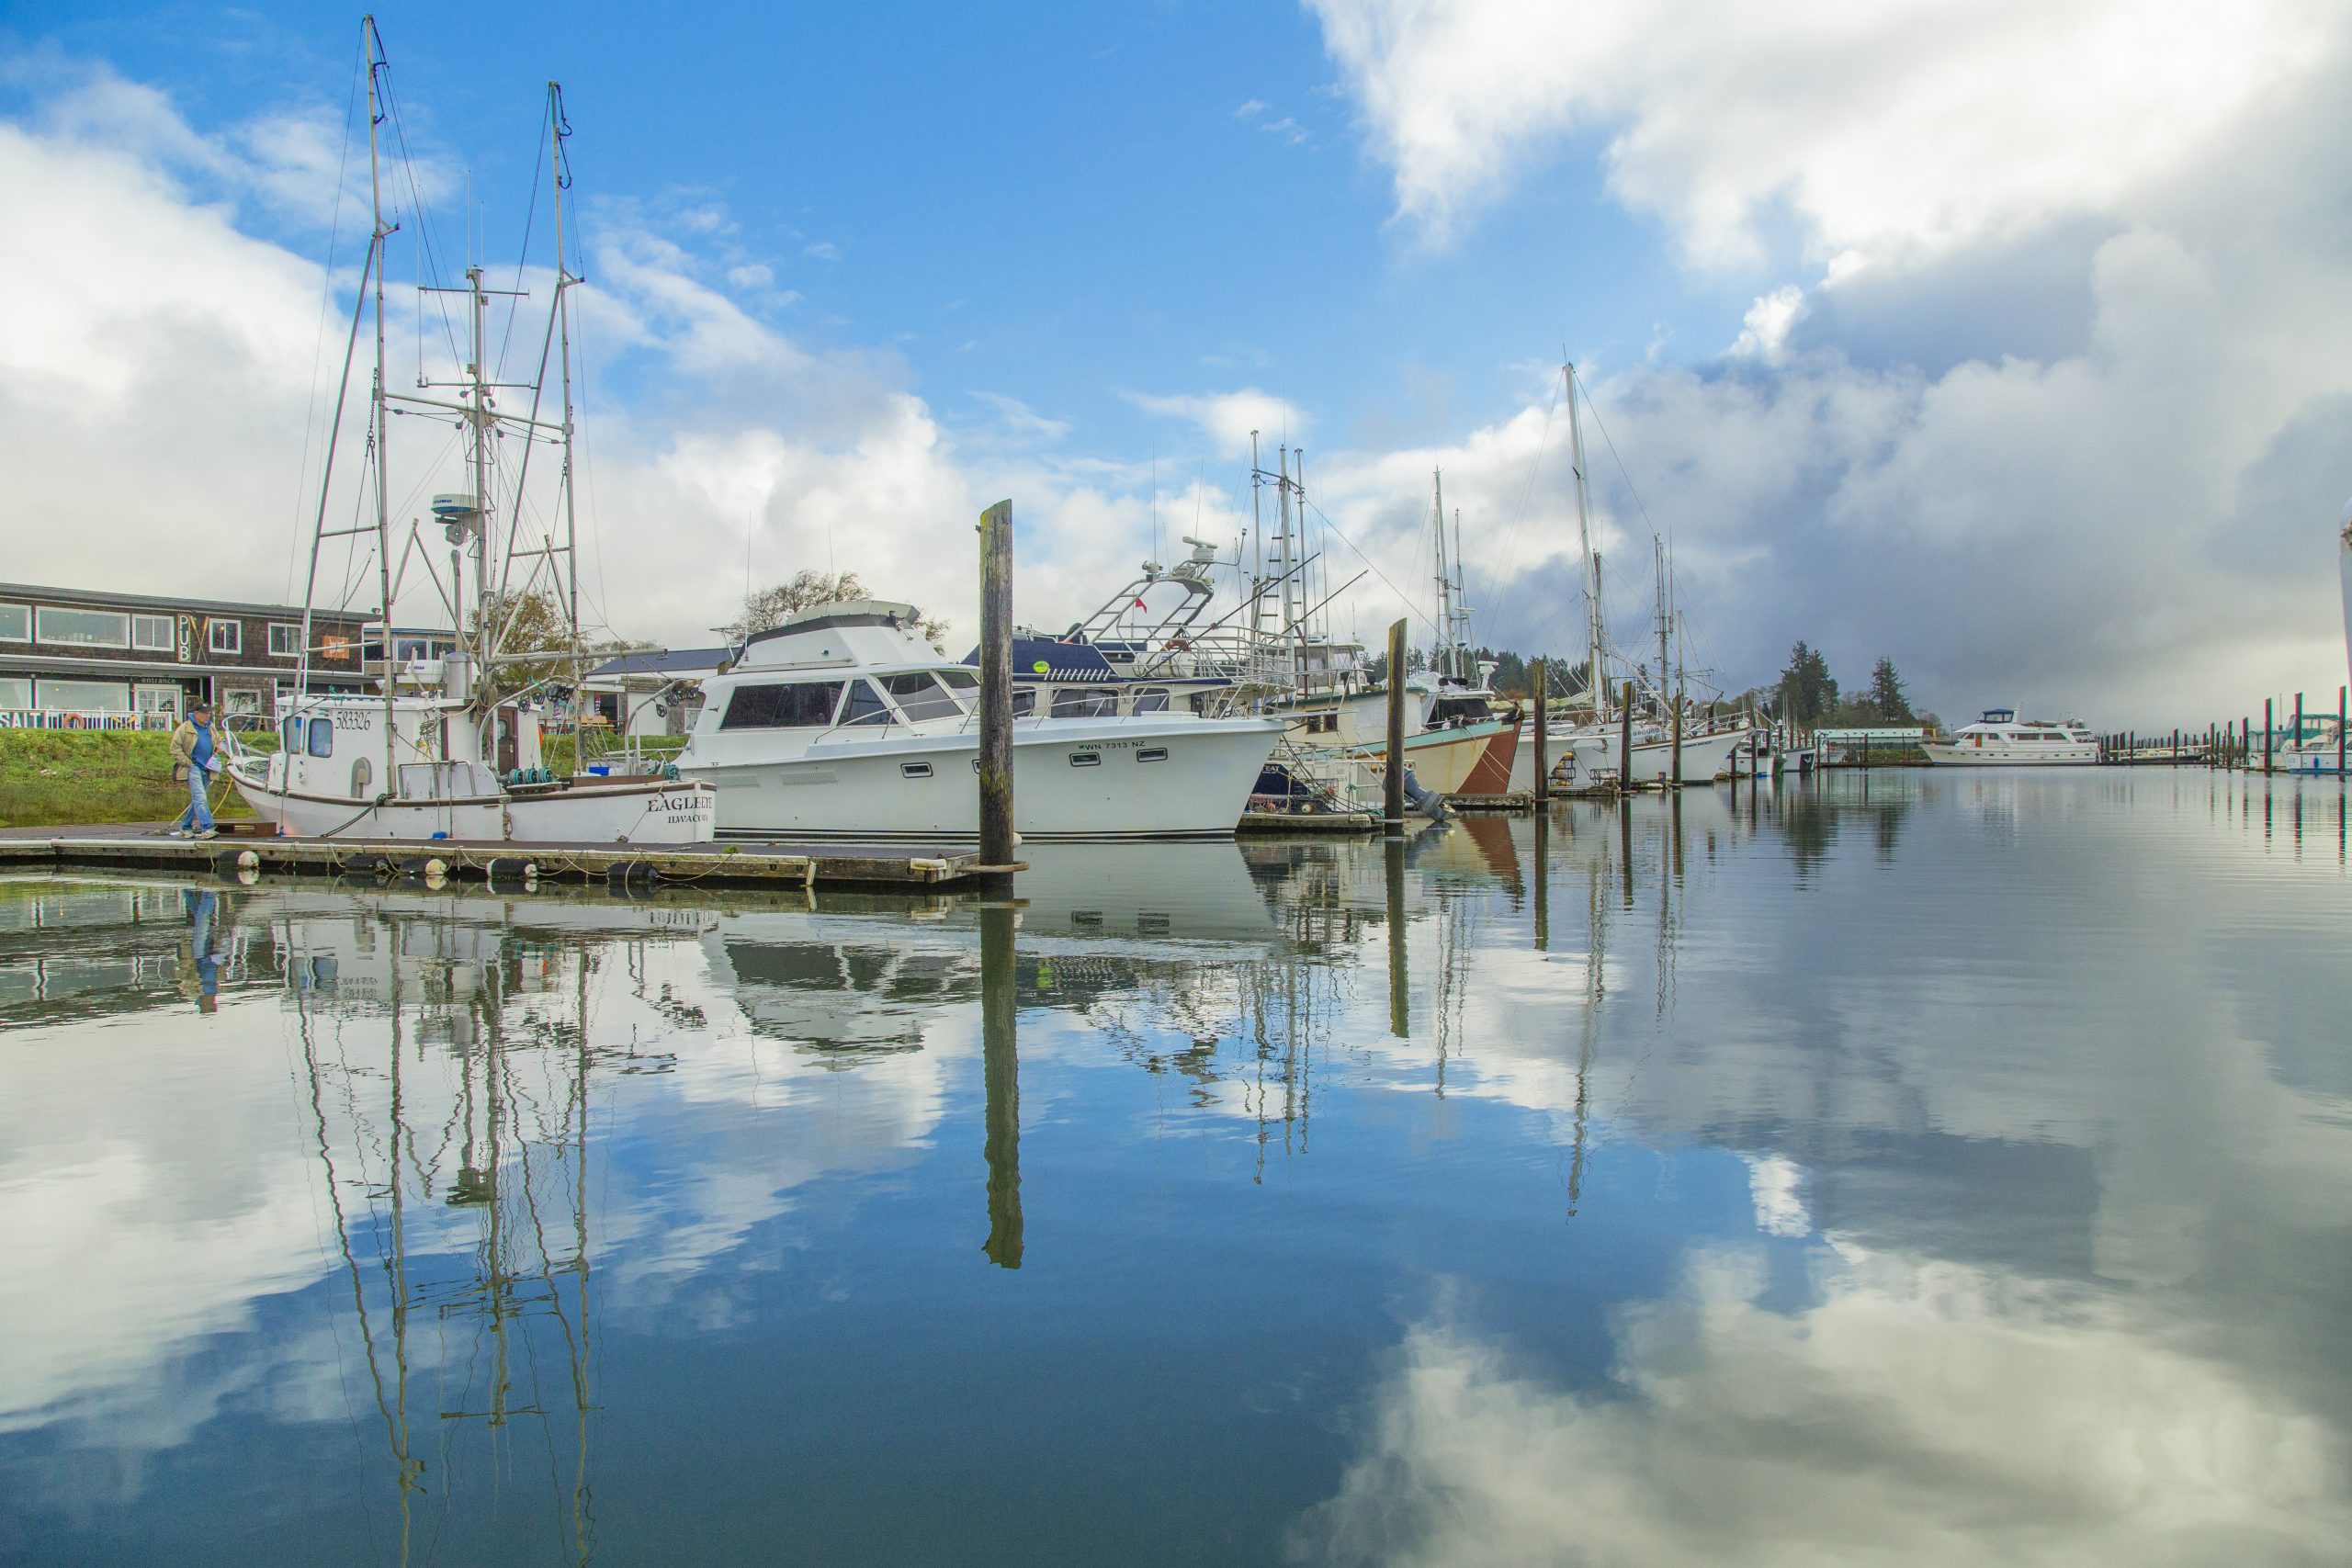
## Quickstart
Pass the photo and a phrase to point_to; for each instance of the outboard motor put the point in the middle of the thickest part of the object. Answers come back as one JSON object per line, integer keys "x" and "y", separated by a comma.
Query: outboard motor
{"x": 1428, "y": 802}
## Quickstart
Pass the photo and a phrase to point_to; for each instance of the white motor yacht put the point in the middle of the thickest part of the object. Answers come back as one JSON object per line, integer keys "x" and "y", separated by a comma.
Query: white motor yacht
{"x": 844, "y": 722}
{"x": 1999, "y": 739}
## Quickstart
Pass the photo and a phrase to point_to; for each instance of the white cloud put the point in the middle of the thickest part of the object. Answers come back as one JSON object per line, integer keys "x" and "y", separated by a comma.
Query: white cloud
{"x": 1226, "y": 419}
{"x": 823, "y": 250}
{"x": 1764, "y": 331}
{"x": 1893, "y": 129}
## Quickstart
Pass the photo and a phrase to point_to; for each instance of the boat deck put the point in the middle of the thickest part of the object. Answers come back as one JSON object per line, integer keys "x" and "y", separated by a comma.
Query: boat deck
{"x": 145, "y": 845}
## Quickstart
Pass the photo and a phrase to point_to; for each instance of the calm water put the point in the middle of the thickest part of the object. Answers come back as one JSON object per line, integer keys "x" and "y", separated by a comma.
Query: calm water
{"x": 1923, "y": 1169}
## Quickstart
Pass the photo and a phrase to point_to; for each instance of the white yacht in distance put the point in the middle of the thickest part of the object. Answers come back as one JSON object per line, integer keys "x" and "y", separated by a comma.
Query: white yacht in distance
{"x": 844, "y": 722}
{"x": 1999, "y": 739}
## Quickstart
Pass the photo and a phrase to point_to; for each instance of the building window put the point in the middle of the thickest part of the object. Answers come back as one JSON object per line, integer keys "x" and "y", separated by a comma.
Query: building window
{"x": 226, "y": 637}
{"x": 85, "y": 628}
{"x": 82, "y": 696}
{"x": 153, "y": 634}
{"x": 16, "y": 691}
{"x": 15, "y": 622}
{"x": 158, "y": 699}
{"x": 242, "y": 699}
{"x": 285, "y": 640}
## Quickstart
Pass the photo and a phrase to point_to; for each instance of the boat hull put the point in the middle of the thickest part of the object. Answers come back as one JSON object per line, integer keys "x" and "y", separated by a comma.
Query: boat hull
{"x": 1470, "y": 759}
{"x": 648, "y": 811}
{"x": 2069, "y": 753}
{"x": 1177, "y": 779}
{"x": 1704, "y": 757}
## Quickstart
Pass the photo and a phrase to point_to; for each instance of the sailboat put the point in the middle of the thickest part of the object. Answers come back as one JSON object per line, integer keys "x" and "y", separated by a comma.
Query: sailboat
{"x": 1594, "y": 748}
{"x": 452, "y": 750}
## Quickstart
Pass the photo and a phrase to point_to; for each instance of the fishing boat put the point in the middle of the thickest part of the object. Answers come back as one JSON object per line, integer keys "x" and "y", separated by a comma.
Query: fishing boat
{"x": 842, "y": 722}
{"x": 453, "y": 750}
{"x": 1999, "y": 739}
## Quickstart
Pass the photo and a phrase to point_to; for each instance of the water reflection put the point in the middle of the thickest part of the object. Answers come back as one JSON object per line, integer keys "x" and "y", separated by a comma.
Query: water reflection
{"x": 1903, "y": 1163}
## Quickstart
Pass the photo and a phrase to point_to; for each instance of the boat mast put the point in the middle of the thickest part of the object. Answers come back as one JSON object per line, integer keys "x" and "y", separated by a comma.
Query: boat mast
{"x": 1591, "y": 563}
{"x": 1461, "y": 604}
{"x": 1444, "y": 659}
{"x": 556, "y": 131}
{"x": 1664, "y": 616}
{"x": 374, "y": 43}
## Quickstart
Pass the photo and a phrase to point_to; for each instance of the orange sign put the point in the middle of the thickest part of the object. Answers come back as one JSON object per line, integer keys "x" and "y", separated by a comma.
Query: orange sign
{"x": 332, "y": 646}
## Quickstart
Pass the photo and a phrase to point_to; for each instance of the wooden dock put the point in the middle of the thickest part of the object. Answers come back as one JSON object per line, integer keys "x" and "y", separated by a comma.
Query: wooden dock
{"x": 806, "y": 865}
{"x": 1309, "y": 822}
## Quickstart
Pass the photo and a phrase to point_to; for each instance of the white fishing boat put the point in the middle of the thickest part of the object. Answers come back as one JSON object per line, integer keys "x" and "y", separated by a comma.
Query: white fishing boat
{"x": 842, "y": 722}
{"x": 453, "y": 750}
{"x": 2000, "y": 740}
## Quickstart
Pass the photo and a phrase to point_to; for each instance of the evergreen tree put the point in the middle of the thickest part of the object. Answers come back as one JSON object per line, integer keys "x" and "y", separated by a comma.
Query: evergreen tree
{"x": 1886, "y": 698}
{"x": 1808, "y": 692}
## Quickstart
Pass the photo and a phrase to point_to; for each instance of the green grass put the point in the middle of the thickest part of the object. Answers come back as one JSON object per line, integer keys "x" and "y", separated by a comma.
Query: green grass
{"x": 63, "y": 778}
{"x": 556, "y": 751}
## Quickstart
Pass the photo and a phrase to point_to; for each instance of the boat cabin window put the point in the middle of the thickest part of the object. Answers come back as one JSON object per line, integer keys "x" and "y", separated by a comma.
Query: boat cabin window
{"x": 289, "y": 736}
{"x": 864, "y": 705}
{"x": 920, "y": 696}
{"x": 1025, "y": 702}
{"x": 805, "y": 705}
{"x": 321, "y": 738}
{"x": 1151, "y": 699}
{"x": 959, "y": 680}
{"x": 1085, "y": 701}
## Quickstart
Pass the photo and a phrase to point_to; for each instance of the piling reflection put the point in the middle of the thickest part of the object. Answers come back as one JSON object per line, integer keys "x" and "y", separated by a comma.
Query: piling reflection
{"x": 1002, "y": 1073}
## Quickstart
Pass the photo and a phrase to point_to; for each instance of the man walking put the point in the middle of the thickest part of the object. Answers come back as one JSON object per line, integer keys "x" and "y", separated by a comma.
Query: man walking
{"x": 192, "y": 749}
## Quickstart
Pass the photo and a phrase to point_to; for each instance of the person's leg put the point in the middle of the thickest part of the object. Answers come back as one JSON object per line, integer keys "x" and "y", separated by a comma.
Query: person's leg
{"x": 199, "y": 807}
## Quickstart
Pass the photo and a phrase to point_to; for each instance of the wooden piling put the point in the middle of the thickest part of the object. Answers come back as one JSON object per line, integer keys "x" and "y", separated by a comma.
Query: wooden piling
{"x": 1625, "y": 741}
{"x": 1543, "y": 772}
{"x": 2267, "y": 743}
{"x": 995, "y": 684}
{"x": 2299, "y": 728}
{"x": 1674, "y": 776}
{"x": 2341, "y": 694}
{"x": 1393, "y": 790}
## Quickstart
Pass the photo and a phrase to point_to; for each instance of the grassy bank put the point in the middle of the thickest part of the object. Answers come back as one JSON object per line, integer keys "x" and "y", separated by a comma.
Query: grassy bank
{"x": 62, "y": 778}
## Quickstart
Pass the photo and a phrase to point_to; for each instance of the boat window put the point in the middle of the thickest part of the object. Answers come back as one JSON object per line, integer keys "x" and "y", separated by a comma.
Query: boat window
{"x": 915, "y": 770}
{"x": 865, "y": 705}
{"x": 1085, "y": 701}
{"x": 1151, "y": 699}
{"x": 807, "y": 704}
{"x": 1086, "y": 758}
{"x": 960, "y": 680}
{"x": 1152, "y": 754}
{"x": 322, "y": 738}
{"x": 1203, "y": 702}
{"x": 289, "y": 736}
{"x": 1024, "y": 701}
{"x": 920, "y": 696}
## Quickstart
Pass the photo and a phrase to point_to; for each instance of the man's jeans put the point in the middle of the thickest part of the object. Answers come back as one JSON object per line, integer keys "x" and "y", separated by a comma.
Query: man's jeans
{"x": 198, "y": 818}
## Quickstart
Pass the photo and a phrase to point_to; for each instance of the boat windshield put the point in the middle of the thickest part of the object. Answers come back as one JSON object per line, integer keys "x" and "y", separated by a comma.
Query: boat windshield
{"x": 920, "y": 696}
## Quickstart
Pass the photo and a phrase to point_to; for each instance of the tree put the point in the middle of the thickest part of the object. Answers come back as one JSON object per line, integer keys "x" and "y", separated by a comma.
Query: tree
{"x": 807, "y": 589}
{"x": 1886, "y": 699}
{"x": 520, "y": 624}
{"x": 1808, "y": 692}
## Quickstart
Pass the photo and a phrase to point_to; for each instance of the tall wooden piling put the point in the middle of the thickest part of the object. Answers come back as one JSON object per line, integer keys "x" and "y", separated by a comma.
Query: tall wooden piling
{"x": 1625, "y": 741}
{"x": 996, "y": 685}
{"x": 2267, "y": 743}
{"x": 1392, "y": 791}
{"x": 1674, "y": 778}
{"x": 1542, "y": 772}
{"x": 1543, "y": 872}
{"x": 2342, "y": 693}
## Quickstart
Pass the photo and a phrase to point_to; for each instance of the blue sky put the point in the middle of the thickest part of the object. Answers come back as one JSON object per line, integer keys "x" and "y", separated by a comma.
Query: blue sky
{"x": 2015, "y": 317}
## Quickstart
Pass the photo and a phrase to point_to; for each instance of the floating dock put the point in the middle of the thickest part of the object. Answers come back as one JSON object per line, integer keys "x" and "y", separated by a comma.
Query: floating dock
{"x": 807, "y": 865}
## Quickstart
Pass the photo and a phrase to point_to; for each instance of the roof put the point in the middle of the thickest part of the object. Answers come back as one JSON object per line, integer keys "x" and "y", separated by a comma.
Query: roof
{"x": 107, "y": 598}
{"x": 671, "y": 662}
{"x": 1044, "y": 658}
{"x": 845, "y": 613}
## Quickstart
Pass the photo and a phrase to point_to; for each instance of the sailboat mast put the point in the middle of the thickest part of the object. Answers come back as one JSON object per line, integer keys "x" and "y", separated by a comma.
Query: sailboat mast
{"x": 373, "y": 44}
{"x": 1591, "y": 563}
{"x": 556, "y": 131}
{"x": 478, "y": 458}
{"x": 1665, "y": 613}
{"x": 1461, "y": 606}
